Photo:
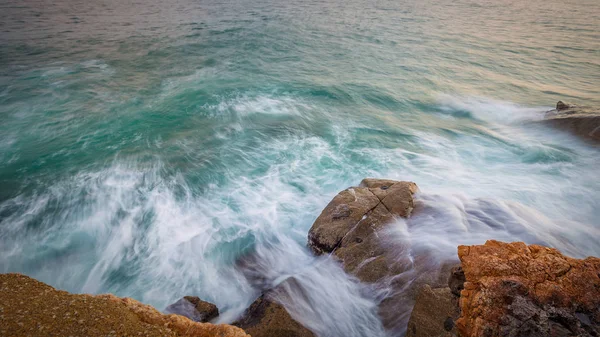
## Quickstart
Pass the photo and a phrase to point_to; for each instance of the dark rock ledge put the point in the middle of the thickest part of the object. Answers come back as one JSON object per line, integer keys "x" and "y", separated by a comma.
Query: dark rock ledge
{"x": 579, "y": 120}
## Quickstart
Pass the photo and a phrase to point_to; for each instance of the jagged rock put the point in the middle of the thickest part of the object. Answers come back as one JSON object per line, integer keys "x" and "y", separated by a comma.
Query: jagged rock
{"x": 434, "y": 313}
{"x": 512, "y": 289}
{"x": 560, "y": 105}
{"x": 266, "y": 318}
{"x": 580, "y": 120}
{"x": 194, "y": 308}
{"x": 31, "y": 308}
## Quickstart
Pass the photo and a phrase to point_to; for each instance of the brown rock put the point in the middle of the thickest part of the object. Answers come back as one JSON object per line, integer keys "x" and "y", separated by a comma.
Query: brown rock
{"x": 512, "y": 289}
{"x": 360, "y": 249}
{"x": 560, "y": 105}
{"x": 266, "y": 318}
{"x": 355, "y": 228}
{"x": 434, "y": 313}
{"x": 194, "y": 308}
{"x": 355, "y": 237}
{"x": 456, "y": 281}
{"x": 356, "y": 206}
{"x": 579, "y": 120}
{"x": 340, "y": 216}
{"x": 31, "y": 308}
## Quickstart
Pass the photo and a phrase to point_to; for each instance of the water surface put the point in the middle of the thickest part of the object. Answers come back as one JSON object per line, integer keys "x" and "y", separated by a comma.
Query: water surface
{"x": 146, "y": 146}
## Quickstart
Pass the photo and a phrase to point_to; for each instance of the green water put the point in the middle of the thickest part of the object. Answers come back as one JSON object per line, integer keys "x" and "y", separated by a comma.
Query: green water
{"x": 146, "y": 146}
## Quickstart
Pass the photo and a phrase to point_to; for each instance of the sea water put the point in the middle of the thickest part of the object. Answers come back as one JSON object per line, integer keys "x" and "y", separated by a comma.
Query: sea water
{"x": 146, "y": 147}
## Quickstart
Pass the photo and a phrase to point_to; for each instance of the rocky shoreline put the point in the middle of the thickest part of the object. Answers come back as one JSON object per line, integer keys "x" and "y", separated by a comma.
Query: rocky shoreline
{"x": 494, "y": 289}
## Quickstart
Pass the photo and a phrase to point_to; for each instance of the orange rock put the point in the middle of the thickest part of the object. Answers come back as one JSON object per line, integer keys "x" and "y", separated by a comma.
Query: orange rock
{"x": 512, "y": 289}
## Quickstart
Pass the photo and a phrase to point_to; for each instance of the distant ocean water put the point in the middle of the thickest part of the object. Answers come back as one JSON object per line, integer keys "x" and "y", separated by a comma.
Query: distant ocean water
{"x": 146, "y": 146}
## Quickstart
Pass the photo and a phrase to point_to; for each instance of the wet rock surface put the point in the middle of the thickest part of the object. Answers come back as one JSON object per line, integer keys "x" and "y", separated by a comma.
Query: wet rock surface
{"x": 512, "y": 289}
{"x": 31, "y": 308}
{"x": 266, "y": 318}
{"x": 351, "y": 223}
{"x": 436, "y": 309}
{"x": 434, "y": 313}
{"x": 194, "y": 308}
{"x": 579, "y": 120}
{"x": 358, "y": 226}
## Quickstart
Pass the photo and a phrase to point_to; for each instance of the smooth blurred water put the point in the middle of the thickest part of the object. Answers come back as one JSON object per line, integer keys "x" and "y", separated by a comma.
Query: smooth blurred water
{"x": 146, "y": 146}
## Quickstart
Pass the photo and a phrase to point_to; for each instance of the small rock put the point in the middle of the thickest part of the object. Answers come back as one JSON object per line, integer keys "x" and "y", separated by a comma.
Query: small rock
{"x": 560, "y": 105}
{"x": 194, "y": 308}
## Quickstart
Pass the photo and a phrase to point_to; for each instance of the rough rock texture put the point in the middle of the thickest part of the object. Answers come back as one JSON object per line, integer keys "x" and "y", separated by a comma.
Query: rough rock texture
{"x": 194, "y": 308}
{"x": 512, "y": 289}
{"x": 434, "y": 313}
{"x": 436, "y": 309}
{"x": 31, "y": 308}
{"x": 265, "y": 318}
{"x": 358, "y": 226}
{"x": 340, "y": 216}
{"x": 456, "y": 281}
{"x": 582, "y": 121}
{"x": 350, "y": 224}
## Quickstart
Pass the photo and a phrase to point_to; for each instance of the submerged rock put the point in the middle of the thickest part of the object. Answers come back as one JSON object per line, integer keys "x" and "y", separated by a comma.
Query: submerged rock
{"x": 512, "y": 289}
{"x": 266, "y": 318}
{"x": 582, "y": 121}
{"x": 31, "y": 308}
{"x": 194, "y": 308}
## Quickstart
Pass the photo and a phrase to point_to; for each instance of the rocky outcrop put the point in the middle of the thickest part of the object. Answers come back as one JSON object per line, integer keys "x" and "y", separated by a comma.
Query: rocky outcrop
{"x": 266, "y": 318}
{"x": 31, "y": 308}
{"x": 355, "y": 228}
{"x": 512, "y": 289}
{"x": 349, "y": 226}
{"x": 582, "y": 121}
{"x": 436, "y": 309}
{"x": 194, "y": 308}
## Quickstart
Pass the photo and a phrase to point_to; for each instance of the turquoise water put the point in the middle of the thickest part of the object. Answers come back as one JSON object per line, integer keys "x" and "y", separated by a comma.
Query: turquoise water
{"x": 145, "y": 147}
